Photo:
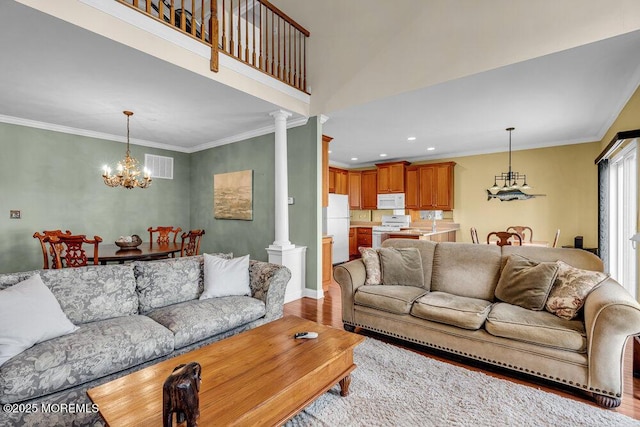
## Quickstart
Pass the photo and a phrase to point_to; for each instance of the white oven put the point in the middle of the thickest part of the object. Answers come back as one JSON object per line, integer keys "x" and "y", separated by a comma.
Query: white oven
{"x": 391, "y": 201}
{"x": 390, "y": 223}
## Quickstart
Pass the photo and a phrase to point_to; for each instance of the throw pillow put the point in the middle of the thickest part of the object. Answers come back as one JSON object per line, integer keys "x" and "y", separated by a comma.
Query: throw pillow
{"x": 571, "y": 289}
{"x": 401, "y": 266}
{"x": 29, "y": 314}
{"x": 525, "y": 282}
{"x": 225, "y": 277}
{"x": 371, "y": 265}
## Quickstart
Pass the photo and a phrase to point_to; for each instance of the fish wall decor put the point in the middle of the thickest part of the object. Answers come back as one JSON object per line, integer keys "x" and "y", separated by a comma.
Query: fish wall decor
{"x": 509, "y": 195}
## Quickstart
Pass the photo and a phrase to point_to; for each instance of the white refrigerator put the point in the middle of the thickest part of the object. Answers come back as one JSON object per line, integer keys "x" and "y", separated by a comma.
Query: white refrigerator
{"x": 338, "y": 226}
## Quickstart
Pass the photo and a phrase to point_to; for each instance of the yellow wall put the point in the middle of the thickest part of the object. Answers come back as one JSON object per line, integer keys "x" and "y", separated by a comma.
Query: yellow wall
{"x": 628, "y": 119}
{"x": 566, "y": 174}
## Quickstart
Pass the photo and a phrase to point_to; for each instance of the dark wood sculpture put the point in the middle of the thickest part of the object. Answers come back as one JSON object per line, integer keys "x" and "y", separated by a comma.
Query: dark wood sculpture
{"x": 180, "y": 395}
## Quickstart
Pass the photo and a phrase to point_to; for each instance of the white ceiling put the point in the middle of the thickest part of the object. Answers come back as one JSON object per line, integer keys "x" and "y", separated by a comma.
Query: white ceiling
{"x": 59, "y": 74}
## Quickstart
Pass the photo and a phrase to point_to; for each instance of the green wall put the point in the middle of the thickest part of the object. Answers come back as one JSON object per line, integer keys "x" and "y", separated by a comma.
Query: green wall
{"x": 257, "y": 154}
{"x": 54, "y": 179}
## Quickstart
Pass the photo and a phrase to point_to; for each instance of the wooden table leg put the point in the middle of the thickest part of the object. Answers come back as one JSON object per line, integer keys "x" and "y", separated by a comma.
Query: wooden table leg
{"x": 344, "y": 385}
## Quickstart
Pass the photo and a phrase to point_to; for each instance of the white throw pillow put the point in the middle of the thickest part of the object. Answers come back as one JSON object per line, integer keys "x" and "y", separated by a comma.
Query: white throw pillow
{"x": 29, "y": 314}
{"x": 225, "y": 277}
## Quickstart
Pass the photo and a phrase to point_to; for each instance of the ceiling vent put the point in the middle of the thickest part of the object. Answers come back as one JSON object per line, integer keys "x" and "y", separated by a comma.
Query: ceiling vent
{"x": 160, "y": 166}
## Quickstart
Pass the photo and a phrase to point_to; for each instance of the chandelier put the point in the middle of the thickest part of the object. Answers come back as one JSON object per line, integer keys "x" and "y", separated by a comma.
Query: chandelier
{"x": 127, "y": 170}
{"x": 510, "y": 179}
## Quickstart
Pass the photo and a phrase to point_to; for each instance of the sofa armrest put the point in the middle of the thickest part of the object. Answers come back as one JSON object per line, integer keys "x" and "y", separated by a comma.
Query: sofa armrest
{"x": 268, "y": 283}
{"x": 611, "y": 316}
{"x": 350, "y": 276}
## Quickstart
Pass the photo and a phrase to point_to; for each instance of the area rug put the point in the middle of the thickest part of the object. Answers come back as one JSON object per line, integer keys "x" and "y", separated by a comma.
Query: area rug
{"x": 396, "y": 387}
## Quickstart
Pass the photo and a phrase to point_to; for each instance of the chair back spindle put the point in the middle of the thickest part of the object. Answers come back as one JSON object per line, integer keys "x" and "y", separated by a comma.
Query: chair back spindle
{"x": 191, "y": 242}
{"x": 69, "y": 250}
{"x": 504, "y": 238}
{"x": 49, "y": 251}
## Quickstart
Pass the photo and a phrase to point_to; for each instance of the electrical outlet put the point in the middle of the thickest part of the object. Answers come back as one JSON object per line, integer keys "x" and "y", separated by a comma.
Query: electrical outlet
{"x": 14, "y": 214}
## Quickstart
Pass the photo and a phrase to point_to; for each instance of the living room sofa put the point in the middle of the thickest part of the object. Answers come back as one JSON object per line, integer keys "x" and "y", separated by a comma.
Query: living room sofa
{"x": 457, "y": 311}
{"x": 128, "y": 317}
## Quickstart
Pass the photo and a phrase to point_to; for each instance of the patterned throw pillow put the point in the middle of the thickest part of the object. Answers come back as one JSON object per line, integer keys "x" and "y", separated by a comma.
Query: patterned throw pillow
{"x": 570, "y": 289}
{"x": 371, "y": 265}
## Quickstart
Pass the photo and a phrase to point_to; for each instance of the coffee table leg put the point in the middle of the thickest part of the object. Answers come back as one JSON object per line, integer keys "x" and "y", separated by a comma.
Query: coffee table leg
{"x": 344, "y": 385}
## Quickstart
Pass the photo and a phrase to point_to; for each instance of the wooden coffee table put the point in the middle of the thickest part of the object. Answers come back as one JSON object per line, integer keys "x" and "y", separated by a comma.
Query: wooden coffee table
{"x": 259, "y": 377}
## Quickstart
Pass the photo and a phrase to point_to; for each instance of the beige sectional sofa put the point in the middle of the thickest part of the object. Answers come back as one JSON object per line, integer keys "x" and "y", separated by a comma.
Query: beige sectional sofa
{"x": 456, "y": 310}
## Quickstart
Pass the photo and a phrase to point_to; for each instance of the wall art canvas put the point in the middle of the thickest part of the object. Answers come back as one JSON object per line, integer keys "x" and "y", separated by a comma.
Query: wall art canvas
{"x": 233, "y": 195}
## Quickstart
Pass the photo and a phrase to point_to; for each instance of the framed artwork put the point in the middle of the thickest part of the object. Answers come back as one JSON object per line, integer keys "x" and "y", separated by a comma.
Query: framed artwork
{"x": 233, "y": 195}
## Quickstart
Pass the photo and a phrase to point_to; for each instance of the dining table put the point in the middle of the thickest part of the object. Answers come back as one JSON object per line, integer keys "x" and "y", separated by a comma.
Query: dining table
{"x": 146, "y": 250}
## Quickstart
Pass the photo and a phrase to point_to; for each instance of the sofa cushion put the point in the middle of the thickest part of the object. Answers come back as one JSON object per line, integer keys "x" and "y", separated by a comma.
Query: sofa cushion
{"x": 225, "y": 277}
{"x": 193, "y": 321}
{"x": 401, "y": 266}
{"x": 526, "y": 282}
{"x": 463, "y": 312}
{"x": 571, "y": 287}
{"x": 93, "y": 351}
{"x": 29, "y": 314}
{"x": 466, "y": 269}
{"x": 538, "y": 327}
{"x": 427, "y": 250}
{"x": 89, "y": 294}
{"x": 394, "y": 299}
{"x": 10, "y": 279}
{"x": 169, "y": 281}
{"x": 371, "y": 261}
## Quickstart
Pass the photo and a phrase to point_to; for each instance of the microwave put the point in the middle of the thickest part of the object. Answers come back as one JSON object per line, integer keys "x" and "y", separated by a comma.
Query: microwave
{"x": 391, "y": 201}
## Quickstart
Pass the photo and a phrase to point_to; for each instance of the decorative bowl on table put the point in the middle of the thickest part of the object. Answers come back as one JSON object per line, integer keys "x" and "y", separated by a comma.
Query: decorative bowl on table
{"x": 129, "y": 242}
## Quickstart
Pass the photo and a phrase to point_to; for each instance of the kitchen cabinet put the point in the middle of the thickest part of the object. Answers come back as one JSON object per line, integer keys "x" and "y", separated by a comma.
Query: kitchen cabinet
{"x": 391, "y": 177}
{"x": 355, "y": 184}
{"x": 435, "y": 186}
{"x": 411, "y": 188}
{"x": 364, "y": 237}
{"x": 369, "y": 189}
{"x": 353, "y": 244}
{"x": 338, "y": 180}
{"x": 327, "y": 266}
{"x": 325, "y": 169}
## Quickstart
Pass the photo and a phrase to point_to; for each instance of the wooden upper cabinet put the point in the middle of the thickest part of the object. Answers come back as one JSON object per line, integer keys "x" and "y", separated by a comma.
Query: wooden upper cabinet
{"x": 411, "y": 188}
{"x": 325, "y": 169}
{"x": 391, "y": 177}
{"x": 369, "y": 189}
{"x": 355, "y": 185}
{"x": 338, "y": 181}
{"x": 435, "y": 186}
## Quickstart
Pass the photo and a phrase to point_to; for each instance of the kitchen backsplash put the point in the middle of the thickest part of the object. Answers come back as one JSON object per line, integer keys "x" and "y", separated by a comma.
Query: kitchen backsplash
{"x": 369, "y": 215}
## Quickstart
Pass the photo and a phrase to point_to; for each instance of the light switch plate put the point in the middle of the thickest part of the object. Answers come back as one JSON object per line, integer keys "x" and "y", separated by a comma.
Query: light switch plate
{"x": 291, "y": 200}
{"x": 14, "y": 214}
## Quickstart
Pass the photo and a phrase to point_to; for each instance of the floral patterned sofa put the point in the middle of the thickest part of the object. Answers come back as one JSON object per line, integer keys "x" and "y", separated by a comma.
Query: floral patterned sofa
{"x": 128, "y": 317}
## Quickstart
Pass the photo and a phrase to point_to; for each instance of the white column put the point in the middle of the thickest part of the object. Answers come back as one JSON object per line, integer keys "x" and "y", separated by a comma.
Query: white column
{"x": 281, "y": 177}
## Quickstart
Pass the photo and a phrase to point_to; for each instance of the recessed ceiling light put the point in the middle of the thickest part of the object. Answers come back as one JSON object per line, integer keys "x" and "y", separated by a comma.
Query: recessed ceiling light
{"x": 383, "y": 155}
{"x": 354, "y": 158}
{"x": 411, "y": 138}
{"x": 431, "y": 148}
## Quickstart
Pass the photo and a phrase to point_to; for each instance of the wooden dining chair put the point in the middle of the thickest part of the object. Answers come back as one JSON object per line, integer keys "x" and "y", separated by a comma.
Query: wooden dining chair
{"x": 504, "y": 237}
{"x": 163, "y": 234}
{"x": 526, "y": 233}
{"x": 69, "y": 251}
{"x": 555, "y": 239}
{"x": 47, "y": 247}
{"x": 474, "y": 236}
{"x": 191, "y": 242}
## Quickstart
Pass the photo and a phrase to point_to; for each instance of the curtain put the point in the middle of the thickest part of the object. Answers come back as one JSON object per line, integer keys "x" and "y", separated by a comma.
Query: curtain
{"x": 603, "y": 211}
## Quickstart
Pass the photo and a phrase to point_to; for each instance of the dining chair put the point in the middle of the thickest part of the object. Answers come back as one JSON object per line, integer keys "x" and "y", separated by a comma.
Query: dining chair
{"x": 504, "y": 238}
{"x": 163, "y": 234}
{"x": 474, "y": 236}
{"x": 525, "y": 232}
{"x": 555, "y": 239}
{"x": 48, "y": 251}
{"x": 70, "y": 252}
{"x": 191, "y": 242}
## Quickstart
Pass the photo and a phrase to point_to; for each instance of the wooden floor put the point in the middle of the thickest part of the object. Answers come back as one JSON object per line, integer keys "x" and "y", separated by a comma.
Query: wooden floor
{"x": 328, "y": 311}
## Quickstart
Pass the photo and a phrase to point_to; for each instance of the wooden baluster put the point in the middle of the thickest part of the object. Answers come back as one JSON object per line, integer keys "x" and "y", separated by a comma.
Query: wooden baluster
{"x": 280, "y": 52}
{"x": 148, "y": 8}
{"x": 290, "y": 55}
{"x": 304, "y": 69}
{"x": 224, "y": 28}
{"x": 262, "y": 33}
{"x": 161, "y": 10}
{"x": 253, "y": 11}
{"x": 193, "y": 20}
{"x": 239, "y": 55}
{"x": 297, "y": 57}
{"x": 135, "y": 3}
{"x": 183, "y": 18}
{"x": 246, "y": 31}
{"x": 231, "y": 46}
{"x": 273, "y": 45}
{"x": 172, "y": 14}
{"x": 202, "y": 27}
{"x": 213, "y": 34}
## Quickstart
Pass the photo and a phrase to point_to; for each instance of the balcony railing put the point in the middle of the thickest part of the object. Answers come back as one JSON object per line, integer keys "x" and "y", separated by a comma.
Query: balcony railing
{"x": 252, "y": 31}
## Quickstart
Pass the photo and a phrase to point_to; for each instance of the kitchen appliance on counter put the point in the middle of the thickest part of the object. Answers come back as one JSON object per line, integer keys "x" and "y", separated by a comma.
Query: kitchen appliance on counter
{"x": 338, "y": 226}
{"x": 390, "y": 223}
{"x": 391, "y": 201}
